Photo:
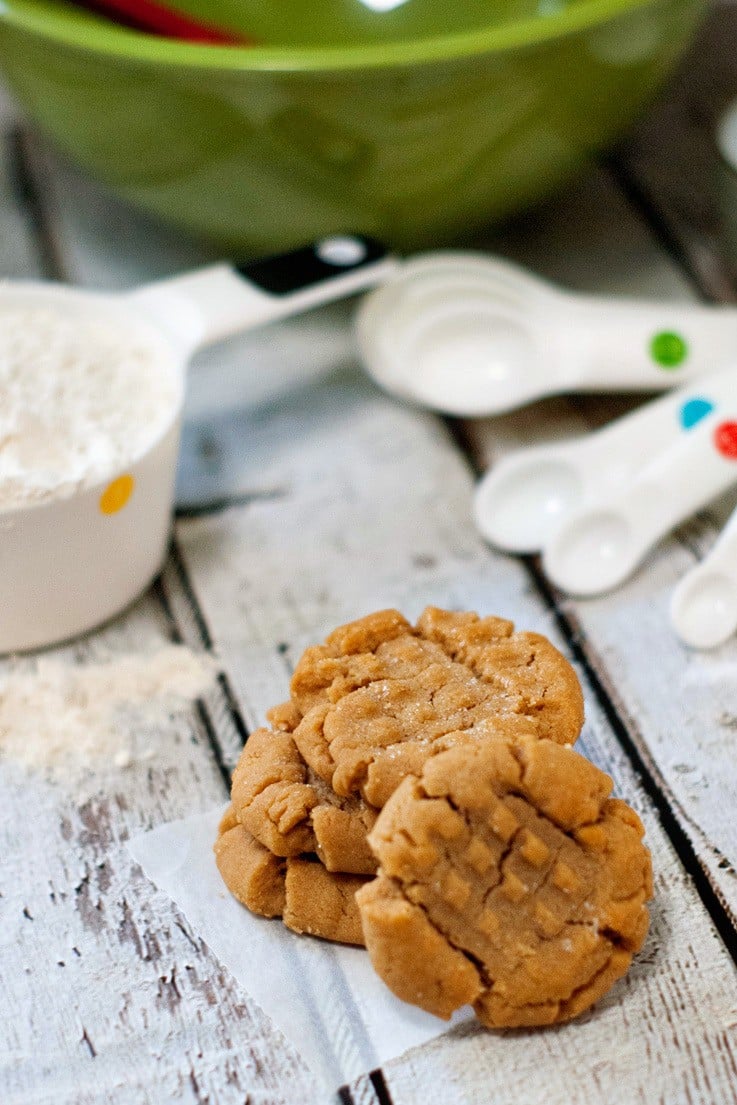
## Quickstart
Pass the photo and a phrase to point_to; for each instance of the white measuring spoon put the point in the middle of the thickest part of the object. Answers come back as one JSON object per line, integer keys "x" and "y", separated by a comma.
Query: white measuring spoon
{"x": 524, "y": 498}
{"x": 703, "y": 608}
{"x": 600, "y": 545}
{"x": 474, "y": 335}
{"x": 69, "y": 563}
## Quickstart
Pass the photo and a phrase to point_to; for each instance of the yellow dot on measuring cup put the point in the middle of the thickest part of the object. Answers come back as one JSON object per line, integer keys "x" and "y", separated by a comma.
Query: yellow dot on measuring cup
{"x": 117, "y": 494}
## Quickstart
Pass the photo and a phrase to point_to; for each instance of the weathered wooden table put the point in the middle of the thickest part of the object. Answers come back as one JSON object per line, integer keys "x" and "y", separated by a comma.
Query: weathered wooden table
{"x": 303, "y": 508}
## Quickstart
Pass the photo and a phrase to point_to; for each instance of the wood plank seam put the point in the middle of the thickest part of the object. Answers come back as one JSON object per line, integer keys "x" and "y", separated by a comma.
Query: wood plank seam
{"x": 232, "y": 709}
{"x": 226, "y": 502}
{"x": 381, "y": 1088}
{"x": 652, "y": 216}
{"x": 360, "y": 1092}
{"x": 180, "y": 568}
{"x": 212, "y": 740}
{"x": 177, "y": 560}
{"x": 190, "y": 596}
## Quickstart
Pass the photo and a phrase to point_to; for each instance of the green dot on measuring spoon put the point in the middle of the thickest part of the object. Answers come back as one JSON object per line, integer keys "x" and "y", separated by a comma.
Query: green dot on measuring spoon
{"x": 668, "y": 349}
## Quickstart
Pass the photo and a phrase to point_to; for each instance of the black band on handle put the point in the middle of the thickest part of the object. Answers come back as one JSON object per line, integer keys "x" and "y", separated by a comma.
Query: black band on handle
{"x": 314, "y": 264}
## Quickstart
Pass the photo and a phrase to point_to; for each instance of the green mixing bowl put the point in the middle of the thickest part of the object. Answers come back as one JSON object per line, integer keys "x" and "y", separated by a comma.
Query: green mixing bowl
{"x": 417, "y": 122}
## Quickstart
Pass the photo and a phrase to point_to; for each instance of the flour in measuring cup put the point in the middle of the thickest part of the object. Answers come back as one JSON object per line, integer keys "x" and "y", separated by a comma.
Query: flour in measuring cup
{"x": 80, "y": 399}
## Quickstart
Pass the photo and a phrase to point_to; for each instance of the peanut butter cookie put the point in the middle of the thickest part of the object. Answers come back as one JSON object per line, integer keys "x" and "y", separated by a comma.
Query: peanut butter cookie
{"x": 308, "y": 898}
{"x": 380, "y": 695}
{"x": 509, "y": 880}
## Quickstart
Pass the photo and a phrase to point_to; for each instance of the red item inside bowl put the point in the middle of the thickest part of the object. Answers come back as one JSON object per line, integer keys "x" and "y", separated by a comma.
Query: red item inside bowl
{"x": 150, "y": 15}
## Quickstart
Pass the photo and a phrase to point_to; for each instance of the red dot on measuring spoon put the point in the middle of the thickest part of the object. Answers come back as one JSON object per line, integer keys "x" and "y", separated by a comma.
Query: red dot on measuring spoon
{"x": 725, "y": 439}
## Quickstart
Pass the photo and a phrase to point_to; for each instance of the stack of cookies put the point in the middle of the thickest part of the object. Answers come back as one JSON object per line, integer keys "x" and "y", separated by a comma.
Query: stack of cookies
{"x": 419, "y": 794}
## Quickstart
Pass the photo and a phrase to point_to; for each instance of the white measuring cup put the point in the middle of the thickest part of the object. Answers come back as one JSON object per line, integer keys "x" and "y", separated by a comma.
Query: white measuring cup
{"x": 69, "y": 563}
{"x": 526, "y": 496}
{"x": 703, "y": 608}
{"x": 600, "y": 544}
{"x": 473, "y": 335}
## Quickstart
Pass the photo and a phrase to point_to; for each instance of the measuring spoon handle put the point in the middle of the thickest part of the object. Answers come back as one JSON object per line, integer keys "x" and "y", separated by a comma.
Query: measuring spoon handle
{"x": 205, "y": 306}
{"x": 525, "y": 497}
{"x": 699, "y": 467}
{"x": 599, "y": 546}
{"x": 631, "y": 346}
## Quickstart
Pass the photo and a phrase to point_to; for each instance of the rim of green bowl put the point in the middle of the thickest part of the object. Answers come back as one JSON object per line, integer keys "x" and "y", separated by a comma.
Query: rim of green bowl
{"x": 132, "y": 45}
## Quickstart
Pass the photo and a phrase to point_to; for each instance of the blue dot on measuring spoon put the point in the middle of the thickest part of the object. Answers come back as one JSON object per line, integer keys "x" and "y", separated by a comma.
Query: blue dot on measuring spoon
{"x": 694, "y": 410}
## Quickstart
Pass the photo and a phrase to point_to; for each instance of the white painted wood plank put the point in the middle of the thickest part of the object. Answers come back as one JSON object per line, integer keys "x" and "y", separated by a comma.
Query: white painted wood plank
{"x": 107, "y": 994}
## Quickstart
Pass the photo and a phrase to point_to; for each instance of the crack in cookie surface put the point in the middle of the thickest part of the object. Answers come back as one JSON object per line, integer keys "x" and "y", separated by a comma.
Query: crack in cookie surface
{"x": 308, "y": 898}
{"x": 483, "y": 846}
{"x": 290, "y": 809}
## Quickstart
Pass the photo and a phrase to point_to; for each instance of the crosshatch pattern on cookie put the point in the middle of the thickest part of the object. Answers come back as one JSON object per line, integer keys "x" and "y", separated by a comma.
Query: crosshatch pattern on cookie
{"x": 380, "y": 695}
{"x": 548, "y": 925}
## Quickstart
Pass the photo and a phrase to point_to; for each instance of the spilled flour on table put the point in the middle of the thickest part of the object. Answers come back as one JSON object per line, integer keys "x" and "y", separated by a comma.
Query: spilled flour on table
{"x": 62, "y": 719}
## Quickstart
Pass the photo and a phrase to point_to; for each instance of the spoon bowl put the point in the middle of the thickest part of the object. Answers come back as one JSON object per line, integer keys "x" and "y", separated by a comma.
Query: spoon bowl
{"x": 471, "y": 335}
{"x": 704, "y": 608}
{"x": 487, "y": 354}
{"x": 521, "y": 509}
{"x": 592, "y": 553}
{"x": 452, "y": 334}
{"x": 704, "y": 604}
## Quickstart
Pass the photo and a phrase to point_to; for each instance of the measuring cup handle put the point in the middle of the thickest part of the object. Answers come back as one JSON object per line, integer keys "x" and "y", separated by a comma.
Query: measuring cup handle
{"x": 642, "y": 346}
{"x": 212, "y": 303}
